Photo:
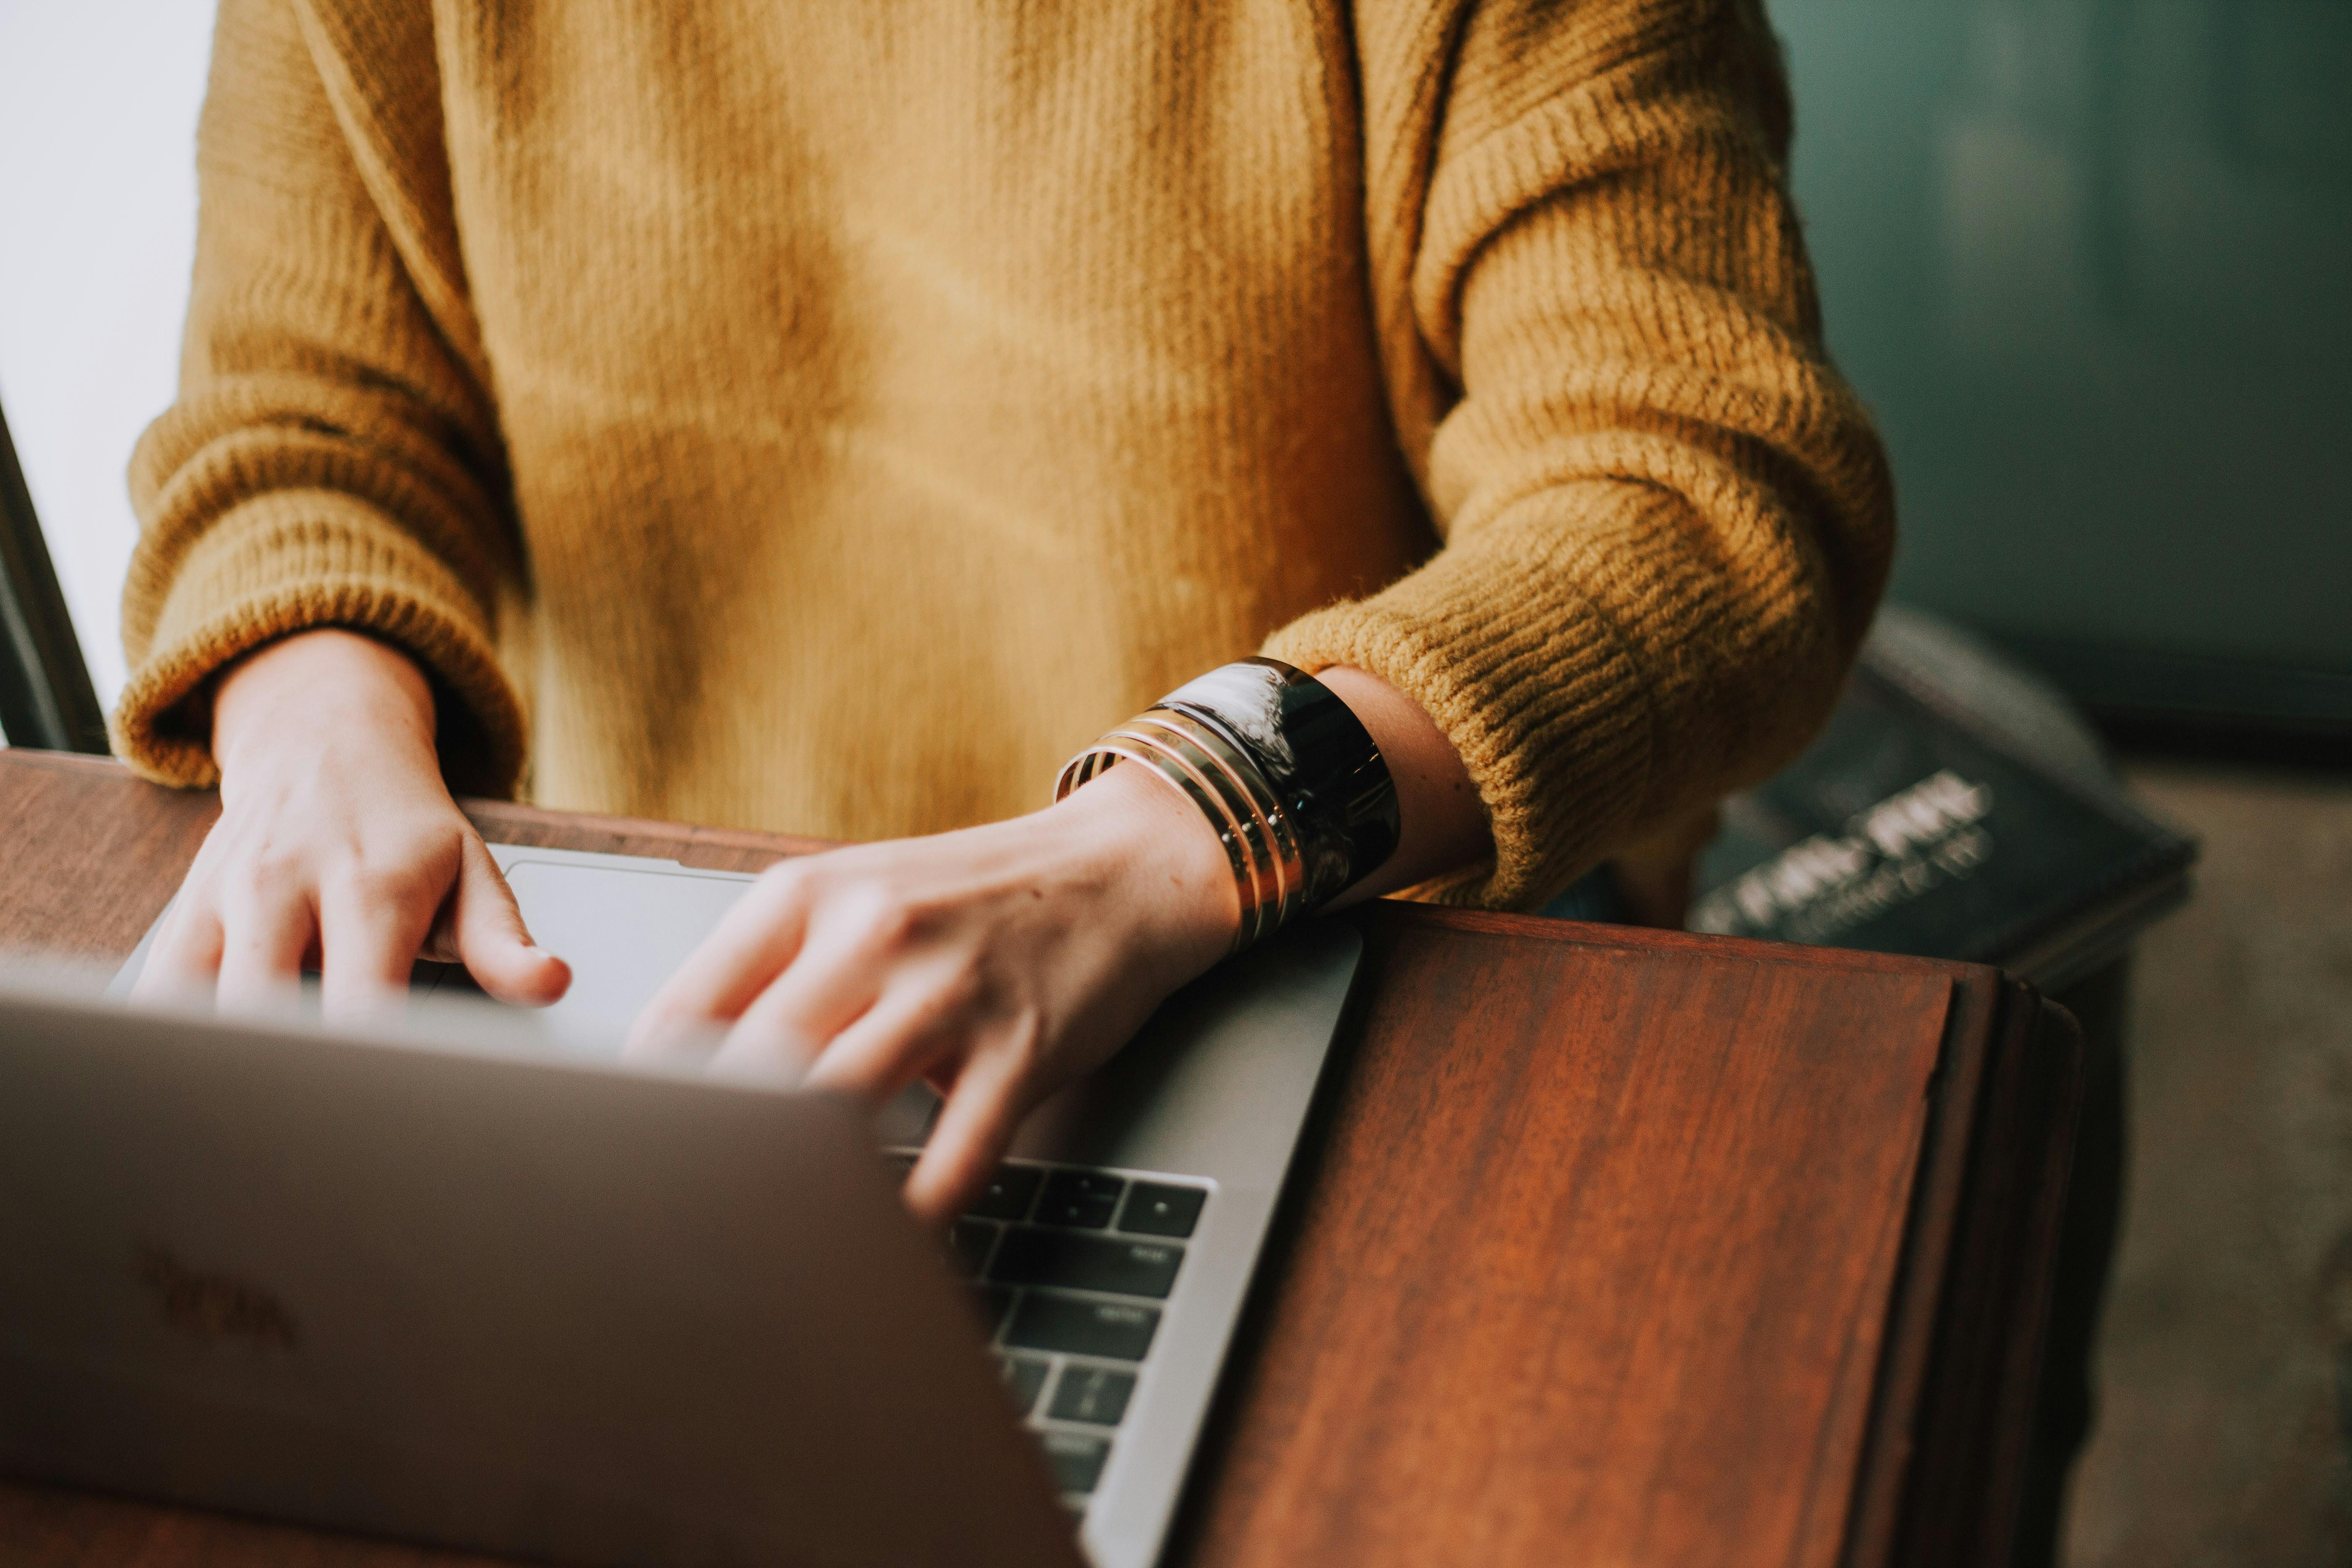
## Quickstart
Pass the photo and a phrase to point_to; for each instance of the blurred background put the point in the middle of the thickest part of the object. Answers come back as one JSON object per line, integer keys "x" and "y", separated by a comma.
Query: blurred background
{"x": 2088, "y": 259}
{"x": 98, "y": 233}
{"x": 2091, "y": 262}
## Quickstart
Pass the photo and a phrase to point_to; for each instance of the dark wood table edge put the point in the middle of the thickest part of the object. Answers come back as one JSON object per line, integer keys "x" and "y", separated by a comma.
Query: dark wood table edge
{"x": 1951, "y": 1416}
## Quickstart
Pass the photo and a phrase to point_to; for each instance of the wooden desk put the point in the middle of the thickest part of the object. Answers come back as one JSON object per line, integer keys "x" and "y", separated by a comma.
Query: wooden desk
{"x": 1609, "y": 1246}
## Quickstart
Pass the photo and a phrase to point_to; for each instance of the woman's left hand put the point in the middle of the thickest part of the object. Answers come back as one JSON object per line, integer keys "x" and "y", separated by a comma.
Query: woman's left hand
{"x": 998, "y": 963}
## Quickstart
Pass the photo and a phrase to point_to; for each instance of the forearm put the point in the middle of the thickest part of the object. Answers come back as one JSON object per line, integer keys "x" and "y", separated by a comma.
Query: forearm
{"x": 1664, "y": 519}
{"x": 333, "y": 458}
{"x": 1442, "y": 825}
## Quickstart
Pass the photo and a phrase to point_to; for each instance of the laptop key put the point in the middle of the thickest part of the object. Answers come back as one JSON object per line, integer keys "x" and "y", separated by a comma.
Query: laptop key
{"x": 1078, "y": 1262}
{"x": 990, "y": 1301}
{"x": 1092, "y": 1394}
{"x": 1024, "y": 1379}
{"x": 1111, "y": 1329}
{"x": 1157, "y": 1208}
{"x": 1077, "y": 1460}
{"x": 1008, "y": 1193}
{"x": 969, "y": 1241}
{"x": 1083, "y": 1198}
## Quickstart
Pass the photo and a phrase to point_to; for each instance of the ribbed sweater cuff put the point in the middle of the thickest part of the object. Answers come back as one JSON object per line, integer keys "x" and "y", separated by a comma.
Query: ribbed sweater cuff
{"x": 1531, "y": 678}
{"x": 291, "y": 561}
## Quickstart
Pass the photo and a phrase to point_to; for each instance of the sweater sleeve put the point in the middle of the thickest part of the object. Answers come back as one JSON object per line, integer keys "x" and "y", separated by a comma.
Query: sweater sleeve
{"x": 333, "y": 458}
{"x": 1667, "y": 521}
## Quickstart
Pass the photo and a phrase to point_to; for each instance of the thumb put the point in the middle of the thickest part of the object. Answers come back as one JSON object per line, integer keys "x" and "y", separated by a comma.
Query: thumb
{"x": 492, "y": 944}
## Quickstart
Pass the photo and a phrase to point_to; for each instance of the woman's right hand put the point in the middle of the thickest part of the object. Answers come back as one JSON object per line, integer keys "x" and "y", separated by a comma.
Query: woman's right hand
{"x": 338, "y": 847}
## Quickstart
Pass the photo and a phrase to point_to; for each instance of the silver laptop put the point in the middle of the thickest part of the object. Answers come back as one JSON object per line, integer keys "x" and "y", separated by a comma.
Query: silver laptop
{"x": 471, "y": 1278}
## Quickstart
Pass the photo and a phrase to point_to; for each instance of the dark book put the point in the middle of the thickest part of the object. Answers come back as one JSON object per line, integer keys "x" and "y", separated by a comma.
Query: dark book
{"x": 1953, "y": 808}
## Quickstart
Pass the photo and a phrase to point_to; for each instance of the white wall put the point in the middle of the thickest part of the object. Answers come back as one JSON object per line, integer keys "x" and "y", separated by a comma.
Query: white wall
{"x": 98, "y": 205}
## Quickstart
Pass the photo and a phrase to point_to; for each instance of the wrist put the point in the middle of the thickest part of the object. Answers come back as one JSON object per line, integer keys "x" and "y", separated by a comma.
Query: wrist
{"x": 1167, "y": 860}
{"x": 1442, "y": 821}
{"x": 318, "y": 688}
{"x": 1286, "y": 776}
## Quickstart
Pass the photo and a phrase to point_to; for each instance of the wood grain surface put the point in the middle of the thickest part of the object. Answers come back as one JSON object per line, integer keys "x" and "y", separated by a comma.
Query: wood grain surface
{"x": 1632, "y": 1294}
{"x": 1609, "y": 1246}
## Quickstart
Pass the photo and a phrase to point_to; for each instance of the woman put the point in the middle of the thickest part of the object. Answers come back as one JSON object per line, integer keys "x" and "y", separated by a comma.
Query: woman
{"x": 830, "y": 419}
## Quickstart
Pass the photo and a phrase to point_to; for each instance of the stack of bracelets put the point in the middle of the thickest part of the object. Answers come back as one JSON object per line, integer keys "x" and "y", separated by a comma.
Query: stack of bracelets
{"x": 1287, "y": 775}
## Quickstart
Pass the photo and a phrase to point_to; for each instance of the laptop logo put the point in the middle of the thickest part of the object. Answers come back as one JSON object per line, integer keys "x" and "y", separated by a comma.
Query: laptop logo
{"x": 215, "y": 1307}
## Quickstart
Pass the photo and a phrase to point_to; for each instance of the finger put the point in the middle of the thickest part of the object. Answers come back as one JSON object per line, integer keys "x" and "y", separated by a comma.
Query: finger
{"x": 263, "y": 940}
{"x": 492, "y": 941}
{"x": 369, "y": 942}
{"x": 968, "y": 1140}
{"x": 187, "y": 955}
{"x": 893, "y": 1042}
{"x": 832, "y": 980}
{"x": 751, "y": 946}
{"x": 185, "y": 959}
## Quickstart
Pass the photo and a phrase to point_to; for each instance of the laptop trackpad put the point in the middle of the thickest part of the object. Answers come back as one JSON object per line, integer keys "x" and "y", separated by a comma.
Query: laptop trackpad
{"x": 623, "y": 932}
{"x": 626, "y": 932}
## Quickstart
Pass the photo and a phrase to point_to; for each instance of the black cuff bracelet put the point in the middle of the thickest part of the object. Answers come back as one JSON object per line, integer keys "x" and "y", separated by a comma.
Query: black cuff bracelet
{"x": 1326, "y": 774}
{"x": 1283, "y": 770}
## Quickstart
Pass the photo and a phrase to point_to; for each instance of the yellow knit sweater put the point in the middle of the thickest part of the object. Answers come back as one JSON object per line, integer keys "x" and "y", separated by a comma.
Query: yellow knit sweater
{"x": 828, "y": 416}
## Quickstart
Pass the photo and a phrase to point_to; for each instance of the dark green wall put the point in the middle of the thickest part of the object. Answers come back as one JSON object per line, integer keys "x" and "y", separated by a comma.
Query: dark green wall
{"x": 2091, "y": 261}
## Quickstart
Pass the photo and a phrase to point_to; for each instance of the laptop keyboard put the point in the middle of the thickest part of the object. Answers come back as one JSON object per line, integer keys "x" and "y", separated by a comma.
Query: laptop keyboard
{"x": 1071, "y": 1269}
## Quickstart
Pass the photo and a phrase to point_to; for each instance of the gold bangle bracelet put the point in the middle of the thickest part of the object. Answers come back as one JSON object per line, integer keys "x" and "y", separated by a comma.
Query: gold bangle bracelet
{"x": 1264, "y": 870}
{"x": 1282, "y": 838}
{"x": 1098, "y": 759}
{"x": 1263, "y": 902}
{"x": 1278, "y": 875}
{"x": 1285, "y": 774}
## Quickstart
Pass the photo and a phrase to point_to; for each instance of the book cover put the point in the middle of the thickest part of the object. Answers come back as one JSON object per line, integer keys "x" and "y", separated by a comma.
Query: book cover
{"x": 1914, "y": 824}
